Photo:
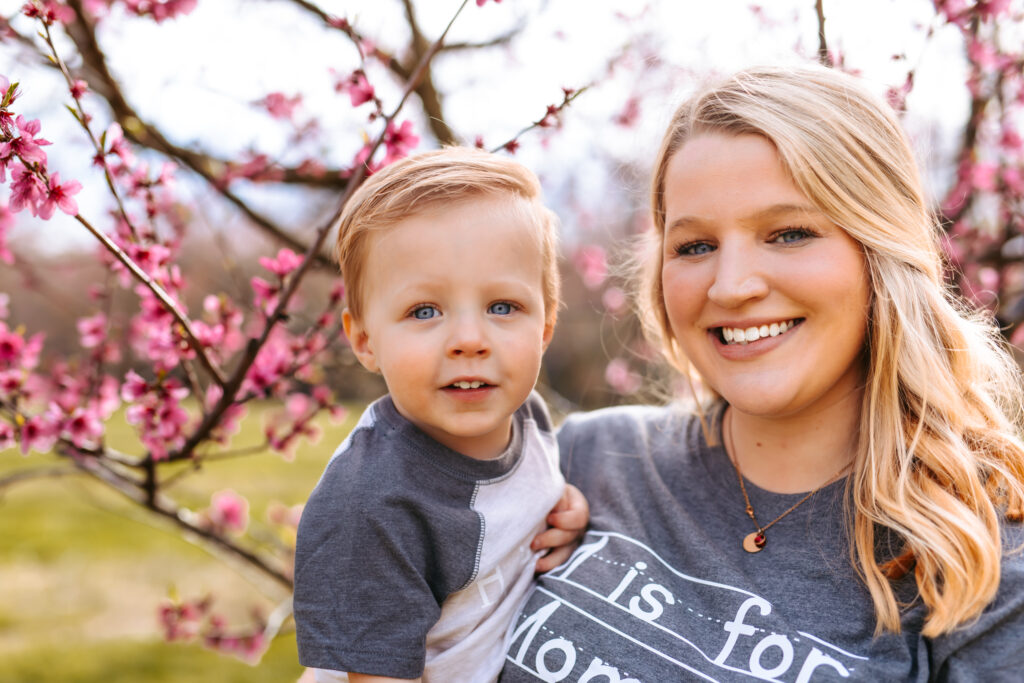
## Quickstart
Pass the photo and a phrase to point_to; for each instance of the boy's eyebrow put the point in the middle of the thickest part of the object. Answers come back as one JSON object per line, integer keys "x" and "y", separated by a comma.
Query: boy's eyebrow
{"x": 772, "y": 212}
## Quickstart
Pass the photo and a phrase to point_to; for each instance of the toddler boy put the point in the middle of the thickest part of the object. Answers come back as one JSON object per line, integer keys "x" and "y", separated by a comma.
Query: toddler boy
{"x": 414, "y": 549}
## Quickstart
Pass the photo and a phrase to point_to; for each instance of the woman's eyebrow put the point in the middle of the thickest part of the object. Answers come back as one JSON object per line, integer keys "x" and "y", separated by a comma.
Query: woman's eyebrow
{"x": 765, "y": 214}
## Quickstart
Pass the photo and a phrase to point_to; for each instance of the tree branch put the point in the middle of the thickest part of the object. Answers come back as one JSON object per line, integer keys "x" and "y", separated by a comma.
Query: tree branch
{"x": 823, "y": 54}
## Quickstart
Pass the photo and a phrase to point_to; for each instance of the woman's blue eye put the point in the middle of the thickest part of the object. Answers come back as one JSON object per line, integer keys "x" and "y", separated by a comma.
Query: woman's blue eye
{"x": 500, "y": 308}
{"x": 425, "y": 312}
{"x": 792, "y": 235}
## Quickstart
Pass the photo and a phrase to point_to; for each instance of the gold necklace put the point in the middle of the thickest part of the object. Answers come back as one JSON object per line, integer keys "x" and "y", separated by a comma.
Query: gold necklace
{"x": 756, "y": 540}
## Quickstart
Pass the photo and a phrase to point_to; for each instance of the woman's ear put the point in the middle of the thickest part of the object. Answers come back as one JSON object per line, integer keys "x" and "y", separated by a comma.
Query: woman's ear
{"x": 359, "y": 341}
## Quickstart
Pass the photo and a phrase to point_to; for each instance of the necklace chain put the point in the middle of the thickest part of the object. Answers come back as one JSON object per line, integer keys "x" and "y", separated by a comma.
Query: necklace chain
{"x": 756, "y": 540}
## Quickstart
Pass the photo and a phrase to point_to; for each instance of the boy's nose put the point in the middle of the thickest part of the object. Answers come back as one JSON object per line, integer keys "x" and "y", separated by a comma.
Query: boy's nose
{"x": 468, "y": 339}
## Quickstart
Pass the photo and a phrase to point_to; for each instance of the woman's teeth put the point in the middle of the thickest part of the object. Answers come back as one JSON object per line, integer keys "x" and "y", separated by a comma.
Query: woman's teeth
{"x": 475, "y": 384}
{"x": 736, "y": 335}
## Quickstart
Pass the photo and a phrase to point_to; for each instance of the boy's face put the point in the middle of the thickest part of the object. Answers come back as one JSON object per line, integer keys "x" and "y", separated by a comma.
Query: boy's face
{"x": 454, "y": 319}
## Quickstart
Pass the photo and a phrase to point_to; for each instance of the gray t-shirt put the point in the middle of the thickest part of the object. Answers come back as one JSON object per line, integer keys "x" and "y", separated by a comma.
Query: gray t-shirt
{"x": 661, "y": 589}
{"x": 412, "y": 559}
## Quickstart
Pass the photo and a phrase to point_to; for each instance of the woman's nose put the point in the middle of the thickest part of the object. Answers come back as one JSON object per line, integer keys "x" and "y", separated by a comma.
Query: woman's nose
{"x": 739, "y": 277}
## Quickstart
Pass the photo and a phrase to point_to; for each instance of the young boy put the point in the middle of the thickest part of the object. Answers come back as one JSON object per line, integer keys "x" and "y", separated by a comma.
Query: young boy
{"x": 414, "y": 549}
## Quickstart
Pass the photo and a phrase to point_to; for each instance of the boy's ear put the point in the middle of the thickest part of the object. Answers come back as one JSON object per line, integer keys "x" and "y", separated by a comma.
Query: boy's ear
{"x": 359, "y": 340}
{"x": 549, "y": 331}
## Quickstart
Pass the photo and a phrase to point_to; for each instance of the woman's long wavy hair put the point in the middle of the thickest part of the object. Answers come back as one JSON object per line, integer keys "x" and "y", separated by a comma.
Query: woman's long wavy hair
{"x": 939, "y": 457}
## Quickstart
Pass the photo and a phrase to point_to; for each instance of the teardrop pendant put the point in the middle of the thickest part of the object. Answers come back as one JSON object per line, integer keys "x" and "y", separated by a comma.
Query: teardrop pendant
{"x": 754, "y": 542}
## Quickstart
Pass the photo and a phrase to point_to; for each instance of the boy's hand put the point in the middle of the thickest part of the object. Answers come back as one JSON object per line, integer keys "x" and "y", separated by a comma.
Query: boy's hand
{"x": 568, "y": 520}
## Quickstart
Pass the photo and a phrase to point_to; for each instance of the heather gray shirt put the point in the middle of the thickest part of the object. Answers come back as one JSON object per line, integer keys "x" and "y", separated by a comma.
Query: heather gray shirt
{"x": 661, "y": 589}
{"x": 412, "y": 558}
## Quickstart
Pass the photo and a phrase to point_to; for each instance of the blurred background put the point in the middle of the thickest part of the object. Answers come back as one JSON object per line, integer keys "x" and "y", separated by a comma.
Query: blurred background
{"x": 146, "y": 530}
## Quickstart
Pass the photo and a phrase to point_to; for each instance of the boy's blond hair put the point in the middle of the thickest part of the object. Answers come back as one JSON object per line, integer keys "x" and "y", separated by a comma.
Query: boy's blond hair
{"x": 427, "y": 181}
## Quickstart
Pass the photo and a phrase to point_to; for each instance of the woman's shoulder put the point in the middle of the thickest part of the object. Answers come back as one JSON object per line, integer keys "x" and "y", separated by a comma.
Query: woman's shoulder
{"x": 652, "y": 424}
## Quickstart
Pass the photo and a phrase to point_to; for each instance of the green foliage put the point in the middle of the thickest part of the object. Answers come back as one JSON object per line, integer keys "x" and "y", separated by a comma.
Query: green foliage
{"x": 85, "y": 569}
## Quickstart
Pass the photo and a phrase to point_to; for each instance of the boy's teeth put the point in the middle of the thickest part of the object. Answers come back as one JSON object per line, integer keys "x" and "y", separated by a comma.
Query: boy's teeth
{"x": 736, "y": 335}
{"x": 475, "y": 384}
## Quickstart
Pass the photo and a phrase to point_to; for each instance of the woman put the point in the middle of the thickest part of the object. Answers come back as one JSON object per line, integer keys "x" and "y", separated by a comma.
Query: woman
{"x": 848, "y": 505}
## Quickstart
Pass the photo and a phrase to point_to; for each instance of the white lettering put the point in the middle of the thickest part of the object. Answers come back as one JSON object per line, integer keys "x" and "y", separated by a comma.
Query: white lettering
{"x": 736, "y": 627}
{"x": 566, "y": 648}
{"x": 814, "y": 660}
{"x": 597, "y": 668}
{"x": 495, "y": 577}
{"x": 626, "y": 580}
{"x": 656, "y": 608}
{"x": 581, "y": 555}
{"x": 775, "y": 640}
{"x": 531, "y": 625}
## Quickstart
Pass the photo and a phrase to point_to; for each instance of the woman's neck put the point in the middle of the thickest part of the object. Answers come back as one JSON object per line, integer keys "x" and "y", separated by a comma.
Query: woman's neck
{"x": 796, "y": 453}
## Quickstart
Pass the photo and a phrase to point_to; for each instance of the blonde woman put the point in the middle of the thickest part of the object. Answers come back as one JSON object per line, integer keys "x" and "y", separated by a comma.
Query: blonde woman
{"x": 846, "y": 505}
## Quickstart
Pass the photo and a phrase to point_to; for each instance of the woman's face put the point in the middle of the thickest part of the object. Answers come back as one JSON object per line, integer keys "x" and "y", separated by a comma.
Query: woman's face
{"x": 765, "y": 295}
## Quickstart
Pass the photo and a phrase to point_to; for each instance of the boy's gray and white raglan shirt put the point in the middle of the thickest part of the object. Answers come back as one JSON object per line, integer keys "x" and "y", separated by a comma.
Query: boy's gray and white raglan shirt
{"x": 412, "y": 559}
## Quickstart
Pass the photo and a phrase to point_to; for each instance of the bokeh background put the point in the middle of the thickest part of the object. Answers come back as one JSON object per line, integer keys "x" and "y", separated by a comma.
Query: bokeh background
{"x": 232, "y": 129}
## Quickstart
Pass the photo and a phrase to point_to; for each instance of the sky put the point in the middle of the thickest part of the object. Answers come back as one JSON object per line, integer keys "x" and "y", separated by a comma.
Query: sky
{"x": 199, "y": 76}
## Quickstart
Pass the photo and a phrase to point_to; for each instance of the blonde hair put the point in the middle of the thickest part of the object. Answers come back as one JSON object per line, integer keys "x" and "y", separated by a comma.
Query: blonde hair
{"x": 424, "y": 182}
{"x": 939, "y": 458}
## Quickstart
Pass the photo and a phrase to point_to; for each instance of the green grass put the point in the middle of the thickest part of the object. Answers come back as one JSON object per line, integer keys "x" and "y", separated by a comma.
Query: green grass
{"x": 153, "y": 662}
{"x": 83, "y": 569}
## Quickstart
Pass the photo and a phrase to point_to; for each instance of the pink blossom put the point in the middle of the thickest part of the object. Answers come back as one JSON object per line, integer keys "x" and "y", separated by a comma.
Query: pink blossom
{"x": 27, "y": 146}
{"x": 93, "y": 331}
{"x": 984, "y": 176}
{"x": 630, "y": 113}
{"x": 620, "y": 378}
{"x": 359, "y": 89}
{"x": 399, "y": 140}
{"x": 592, "y": 265}
{"x": 285, "y": 262}
{"x": 481, "y": 3}
{"x": 60, "y": 196}
{"x": 265, "y": 295}
{"x": 614, "y": 300}
{"x": 229, "y": 511}
{"x": 39, "y": 433}
{"x": 1014, "y": 179}
{"x": 281, "y": 106}
{"x": 991, "y": 9}
{"x": 983, "y": 54}
{"x": 78, "y": 89}
{"x": 6, "y": 223}
{"x": 11, "y": 346}
{"x": 134, "y": 387}
{"x": 6, "y": 436}
{"x": 49, "y": 11}
{"x": 83, "y": 427}
{"x": 27, "y": 190}
{"x": 511, "y": 146}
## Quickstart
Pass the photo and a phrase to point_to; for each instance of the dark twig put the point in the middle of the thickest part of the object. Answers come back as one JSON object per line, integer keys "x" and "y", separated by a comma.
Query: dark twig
{"x": 824, "y": 57}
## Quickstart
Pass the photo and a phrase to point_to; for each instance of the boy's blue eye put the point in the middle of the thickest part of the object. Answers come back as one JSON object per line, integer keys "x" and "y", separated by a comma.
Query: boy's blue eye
{"x": 694, "y": 249}
{"x": 500, "y": 308}
{"x": 425, "y": 312}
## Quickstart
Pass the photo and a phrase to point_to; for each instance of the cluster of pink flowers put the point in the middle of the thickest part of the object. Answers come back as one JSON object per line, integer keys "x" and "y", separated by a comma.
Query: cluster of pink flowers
{"x": 21, "y": 154}
{"x": 158, "y": 10}
{"x": 156, "y": 411}
{"x": 186, "y": 621}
